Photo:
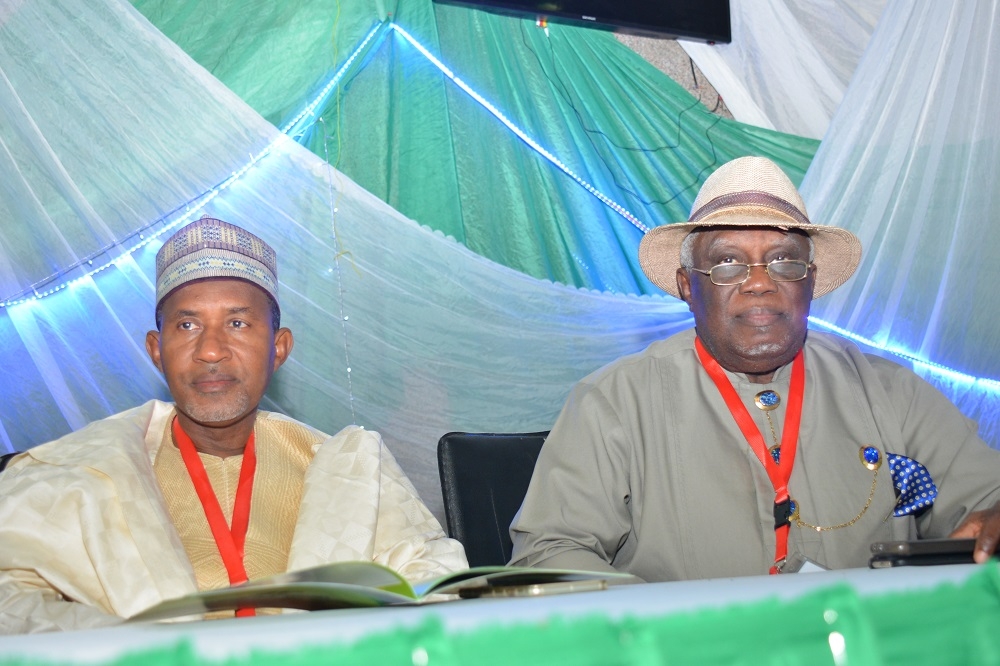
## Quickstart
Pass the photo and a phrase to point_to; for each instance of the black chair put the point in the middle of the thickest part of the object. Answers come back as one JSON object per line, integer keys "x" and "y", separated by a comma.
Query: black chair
{"x": 483, "y": 480}
{"x": 5, "y": 458}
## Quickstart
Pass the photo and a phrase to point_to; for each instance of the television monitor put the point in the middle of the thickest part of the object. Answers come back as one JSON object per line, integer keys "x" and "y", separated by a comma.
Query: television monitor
{"x": 701, "y": 20}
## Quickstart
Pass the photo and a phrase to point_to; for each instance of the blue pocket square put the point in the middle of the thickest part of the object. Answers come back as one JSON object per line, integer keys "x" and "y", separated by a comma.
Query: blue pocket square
{"x": 915, "y": 490}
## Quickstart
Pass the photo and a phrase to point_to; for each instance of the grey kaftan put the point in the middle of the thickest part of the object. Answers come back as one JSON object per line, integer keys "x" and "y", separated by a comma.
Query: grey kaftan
{"x": 646, "y": 471}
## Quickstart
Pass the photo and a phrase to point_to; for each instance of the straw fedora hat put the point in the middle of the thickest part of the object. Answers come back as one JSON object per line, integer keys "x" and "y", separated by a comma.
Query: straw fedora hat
{"x": 750, "y": 192}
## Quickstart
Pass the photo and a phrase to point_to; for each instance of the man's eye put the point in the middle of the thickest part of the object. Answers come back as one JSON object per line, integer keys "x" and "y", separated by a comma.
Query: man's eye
{"x": 186, "y": 325}
{"x": 239, "y": 323}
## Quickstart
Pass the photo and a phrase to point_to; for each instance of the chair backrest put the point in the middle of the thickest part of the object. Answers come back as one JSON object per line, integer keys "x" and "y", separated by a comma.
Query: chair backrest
{"x": 483, "y": 480}
{"x": 5, "y": 458}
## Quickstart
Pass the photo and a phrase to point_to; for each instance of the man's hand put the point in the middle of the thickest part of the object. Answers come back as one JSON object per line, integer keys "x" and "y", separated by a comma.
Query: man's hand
{"x": 984, "y": 527}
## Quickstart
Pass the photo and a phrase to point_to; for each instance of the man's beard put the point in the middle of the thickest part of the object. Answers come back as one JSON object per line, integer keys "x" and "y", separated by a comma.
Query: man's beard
{"x": 225, "y": 410}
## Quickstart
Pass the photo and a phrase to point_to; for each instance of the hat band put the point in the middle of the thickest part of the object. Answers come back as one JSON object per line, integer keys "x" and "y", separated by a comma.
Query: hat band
{"x": 751, "y": 198}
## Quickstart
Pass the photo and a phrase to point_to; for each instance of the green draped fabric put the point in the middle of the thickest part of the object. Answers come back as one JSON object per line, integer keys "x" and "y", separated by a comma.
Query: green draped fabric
{"x": 398, "y": 127}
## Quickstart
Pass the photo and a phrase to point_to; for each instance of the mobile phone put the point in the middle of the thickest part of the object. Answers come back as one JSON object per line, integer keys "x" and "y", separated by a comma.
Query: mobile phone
{"x": 921, "y": 552}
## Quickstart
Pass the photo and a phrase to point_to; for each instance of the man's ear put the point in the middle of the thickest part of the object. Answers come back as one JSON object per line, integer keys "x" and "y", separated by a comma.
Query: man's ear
{"x": 283, "y": 343}
{"x": 153, "y": 348}
{"x": 684, "y": 285}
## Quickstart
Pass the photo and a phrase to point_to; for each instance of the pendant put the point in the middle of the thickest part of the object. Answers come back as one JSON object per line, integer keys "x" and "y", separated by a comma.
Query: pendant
{"x": 767, "y": 400}
{"x": 775, "y": 452}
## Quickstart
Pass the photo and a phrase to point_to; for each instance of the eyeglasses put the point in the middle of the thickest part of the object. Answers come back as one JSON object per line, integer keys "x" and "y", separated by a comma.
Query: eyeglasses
{"x": 779, "y": 270}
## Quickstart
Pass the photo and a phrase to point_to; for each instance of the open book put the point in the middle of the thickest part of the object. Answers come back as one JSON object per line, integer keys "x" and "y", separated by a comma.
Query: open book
{"x": 366, "y": 584}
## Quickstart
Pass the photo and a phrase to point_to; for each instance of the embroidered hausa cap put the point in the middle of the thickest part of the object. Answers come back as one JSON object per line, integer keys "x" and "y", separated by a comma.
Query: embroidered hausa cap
{"x": 211, "y": 248}
{"x": 750, "y": 192}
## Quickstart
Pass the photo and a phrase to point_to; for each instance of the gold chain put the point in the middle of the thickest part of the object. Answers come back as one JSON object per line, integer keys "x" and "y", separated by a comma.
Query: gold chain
{"x": 801, "y": 523}
{"x": 820, "y": 528}
{"x": 774, "y": 436}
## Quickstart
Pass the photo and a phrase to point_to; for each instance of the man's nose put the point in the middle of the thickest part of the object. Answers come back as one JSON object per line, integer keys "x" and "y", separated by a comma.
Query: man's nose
{"x": 758, "y": 281}
{"x": 212, "y": 346}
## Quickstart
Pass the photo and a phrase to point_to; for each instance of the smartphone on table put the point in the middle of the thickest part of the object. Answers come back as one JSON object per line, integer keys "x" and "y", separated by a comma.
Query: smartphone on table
{"x": 921, "y": 552}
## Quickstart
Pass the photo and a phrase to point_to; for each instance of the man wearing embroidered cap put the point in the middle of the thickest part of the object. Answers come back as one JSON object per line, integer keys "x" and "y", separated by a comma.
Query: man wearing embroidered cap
{"x": 167, "y": 499}
{"x": 750, "y": 445}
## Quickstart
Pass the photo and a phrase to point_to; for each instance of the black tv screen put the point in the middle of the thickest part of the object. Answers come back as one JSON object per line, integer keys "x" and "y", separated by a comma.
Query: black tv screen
{"x": 702, "y": 20}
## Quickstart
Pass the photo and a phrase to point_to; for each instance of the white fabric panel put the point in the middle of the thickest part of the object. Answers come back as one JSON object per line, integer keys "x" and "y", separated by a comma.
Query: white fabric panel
{"x": 398, "y": 328}
{"x": 94, "y": 140}
{"x": 911, "y": 164}
{"x": 790, "y": 60}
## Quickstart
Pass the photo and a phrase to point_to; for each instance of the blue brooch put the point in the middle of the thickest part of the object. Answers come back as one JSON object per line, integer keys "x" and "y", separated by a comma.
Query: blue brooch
{"x": 871, "y": 457}
{"x": 767, "y": 400}
{"x": 793, "y": 510}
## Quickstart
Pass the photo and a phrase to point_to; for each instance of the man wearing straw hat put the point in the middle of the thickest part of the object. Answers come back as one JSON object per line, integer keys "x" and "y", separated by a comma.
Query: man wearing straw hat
{"x": 749, "y": 445}
{"x": 170, "y": 498}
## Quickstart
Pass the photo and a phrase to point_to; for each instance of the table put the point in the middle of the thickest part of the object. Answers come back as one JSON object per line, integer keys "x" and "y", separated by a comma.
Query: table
{"x": 835, "y": 617}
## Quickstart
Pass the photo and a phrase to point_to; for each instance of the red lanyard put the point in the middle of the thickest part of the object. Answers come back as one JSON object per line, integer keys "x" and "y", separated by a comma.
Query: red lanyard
{"x": 230, "y": 542}
{"x": 778, "y": 472}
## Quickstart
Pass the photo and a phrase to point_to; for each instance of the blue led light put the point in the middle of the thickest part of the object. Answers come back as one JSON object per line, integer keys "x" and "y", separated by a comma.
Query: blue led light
{"x": 990, "y": 385}
{"x": 297, "y": 126}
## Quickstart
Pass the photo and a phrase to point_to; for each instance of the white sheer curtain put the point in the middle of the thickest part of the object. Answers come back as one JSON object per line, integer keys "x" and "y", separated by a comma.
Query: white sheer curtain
{"x": 911, "y": 164}
{"x": 92, "y": 144}
{"x": 790, "y": 60}
{"x": 107, "y": 128}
